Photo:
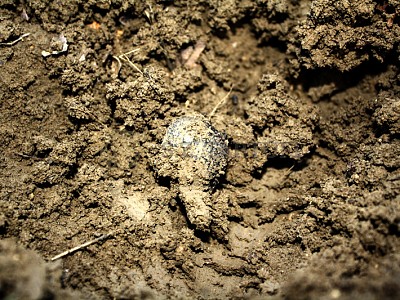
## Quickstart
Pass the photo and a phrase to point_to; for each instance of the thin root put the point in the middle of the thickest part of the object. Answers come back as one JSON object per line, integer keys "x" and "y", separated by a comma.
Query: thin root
{"x": 124, "y": 57}
{"x": 219, "y": 104}
{"x": 15, "y": 41}
{"x": 82, "y": 246}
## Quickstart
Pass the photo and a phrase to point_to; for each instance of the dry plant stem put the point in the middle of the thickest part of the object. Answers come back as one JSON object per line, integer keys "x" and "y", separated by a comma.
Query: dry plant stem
{"x": 288, "y": 172}
{"x": 119, "y": 63}
{"x": 219, "y": 104}
{"x": 124, "y": 57}
{"x": 28, "y": 156}
{"x": 15, "y": 41}
{"x": 82, "y": 246}
{"x": 149, "y": 14}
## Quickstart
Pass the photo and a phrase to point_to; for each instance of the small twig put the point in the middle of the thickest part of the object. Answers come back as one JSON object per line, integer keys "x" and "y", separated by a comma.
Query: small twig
{"x": 149, "y": 14}
{"x": 28, "y": 156}
{"x": 288, "y": 172}
{"x": 119, "y": 63}
{"x": 132, "y": 51}
{"x": 124, "y": 57}
{"x": 15, "y": 41}
{"x": 220, "y": 103}
{"x": 84, "y": 245}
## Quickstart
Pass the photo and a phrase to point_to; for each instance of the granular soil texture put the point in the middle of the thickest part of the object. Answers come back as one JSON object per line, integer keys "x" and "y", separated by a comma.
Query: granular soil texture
{"x": 307, "y": 96}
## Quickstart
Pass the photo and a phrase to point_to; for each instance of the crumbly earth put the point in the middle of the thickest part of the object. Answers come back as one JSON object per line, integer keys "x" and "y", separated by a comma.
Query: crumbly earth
{"x": 309, "y": 205}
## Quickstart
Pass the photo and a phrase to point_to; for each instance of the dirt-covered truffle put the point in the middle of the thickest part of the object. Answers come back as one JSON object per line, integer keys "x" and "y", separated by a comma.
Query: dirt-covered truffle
{"x": 194, "y": 155}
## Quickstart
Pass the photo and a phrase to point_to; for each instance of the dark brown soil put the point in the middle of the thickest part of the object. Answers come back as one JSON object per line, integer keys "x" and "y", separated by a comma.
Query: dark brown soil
{"x": 308, "y": 206}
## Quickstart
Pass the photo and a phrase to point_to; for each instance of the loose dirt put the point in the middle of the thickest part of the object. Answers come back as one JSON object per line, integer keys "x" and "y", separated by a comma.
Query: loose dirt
{"x": 308, "y": 206}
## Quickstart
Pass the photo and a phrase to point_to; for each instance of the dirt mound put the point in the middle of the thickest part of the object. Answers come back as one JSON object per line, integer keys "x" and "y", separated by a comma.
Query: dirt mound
{"x": 306, "y": 202}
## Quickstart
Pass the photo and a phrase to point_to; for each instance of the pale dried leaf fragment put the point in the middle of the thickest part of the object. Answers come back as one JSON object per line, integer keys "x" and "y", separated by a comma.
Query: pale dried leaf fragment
{"x": 64, "y": 46}
{"x": 195, "y": 54}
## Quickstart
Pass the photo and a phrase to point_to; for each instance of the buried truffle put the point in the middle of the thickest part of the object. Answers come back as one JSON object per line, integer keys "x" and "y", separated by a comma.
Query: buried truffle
{"x": 194, "y": 155}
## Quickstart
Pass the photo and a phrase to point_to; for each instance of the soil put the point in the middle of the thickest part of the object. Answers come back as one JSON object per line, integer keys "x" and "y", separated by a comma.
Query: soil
{"x": 307, "y": 203}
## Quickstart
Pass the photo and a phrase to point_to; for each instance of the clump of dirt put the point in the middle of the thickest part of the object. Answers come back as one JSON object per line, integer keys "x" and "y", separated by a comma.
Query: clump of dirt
{"x": 305, "y": 203}
{"x": 343, "y": 35}
{"x": 25, "y": 275}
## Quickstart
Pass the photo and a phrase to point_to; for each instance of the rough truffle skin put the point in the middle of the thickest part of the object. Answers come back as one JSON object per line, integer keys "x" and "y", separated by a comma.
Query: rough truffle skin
{"x": 194, "y": 155}
{"x": 194, "y": 136}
